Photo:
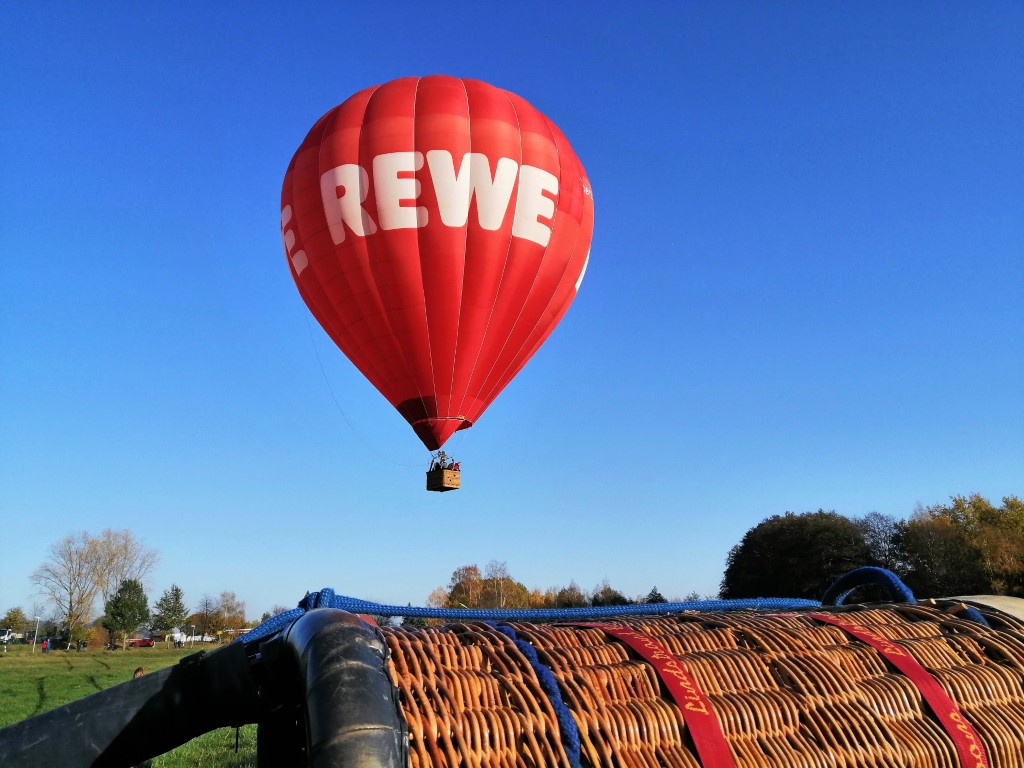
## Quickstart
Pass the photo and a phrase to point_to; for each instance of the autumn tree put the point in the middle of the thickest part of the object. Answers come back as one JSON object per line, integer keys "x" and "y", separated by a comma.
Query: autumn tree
{"x": 15, "y": 619}
{"x": 231, "y": 611}
{"x": 126, "y": 610}
{"x": 438, "y": 598}
{"x": 605, "y": 595}
{"x": 794, "y": 555}
{"x": 501, "y": 590}
{"x": 170, "y": 611}
{"x": 571, "y": 597}
{"x": 992, "y": 535}
{"x": 465, "y": 588}
{"x": 941, "y": 560}
{"x": 542, "y": 598}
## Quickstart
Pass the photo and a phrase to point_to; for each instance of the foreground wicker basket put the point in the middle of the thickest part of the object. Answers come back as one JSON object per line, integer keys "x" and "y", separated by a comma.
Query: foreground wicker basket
{"x": 787, "y": 690}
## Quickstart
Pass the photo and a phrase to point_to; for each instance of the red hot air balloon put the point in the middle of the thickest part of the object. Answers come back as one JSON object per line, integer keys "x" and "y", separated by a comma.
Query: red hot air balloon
{"x": 438, "y": 229}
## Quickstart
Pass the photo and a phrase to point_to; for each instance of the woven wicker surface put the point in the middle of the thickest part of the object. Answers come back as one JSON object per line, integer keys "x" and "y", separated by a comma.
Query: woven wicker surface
{"x": 787, "y": 691}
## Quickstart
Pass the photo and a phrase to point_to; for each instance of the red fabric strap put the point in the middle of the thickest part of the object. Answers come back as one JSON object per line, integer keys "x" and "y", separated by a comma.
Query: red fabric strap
{"x": 965, "y": 738}
{"x": 697, "y": 710}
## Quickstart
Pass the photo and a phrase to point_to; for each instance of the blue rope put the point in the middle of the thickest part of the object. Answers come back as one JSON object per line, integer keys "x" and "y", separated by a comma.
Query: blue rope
{"x": 898, "y": 591}
{"x": 326, "y": 598}
{"x": 972, "y": 614}
{"x": 570, "y": 734}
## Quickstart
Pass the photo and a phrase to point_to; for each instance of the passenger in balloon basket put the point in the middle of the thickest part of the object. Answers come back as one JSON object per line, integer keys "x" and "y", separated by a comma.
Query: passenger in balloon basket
{"x": 443, "y": 461}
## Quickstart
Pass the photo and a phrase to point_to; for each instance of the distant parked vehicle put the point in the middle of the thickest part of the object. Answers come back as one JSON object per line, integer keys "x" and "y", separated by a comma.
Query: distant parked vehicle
{"x": 141, "y": 642}
{"x": 6, "y": 636}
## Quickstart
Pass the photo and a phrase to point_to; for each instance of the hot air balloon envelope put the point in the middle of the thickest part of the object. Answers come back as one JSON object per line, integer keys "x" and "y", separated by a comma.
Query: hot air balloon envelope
{"x": 438, "y": 229}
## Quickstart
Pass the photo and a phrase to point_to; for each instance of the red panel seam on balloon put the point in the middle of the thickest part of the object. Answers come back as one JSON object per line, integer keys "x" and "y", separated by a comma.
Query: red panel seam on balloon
{"x": 540, "y": 265}
{"x": 361, "y": 244}
{"x": 504, "y": 269}
{"x": 465, "y": 250}
{"x": 419, "y": 257}
{"x": 502, "y": 379}
{"x": 327, "y": 306}
{"x": 520, "y": 360}
{"x": 357, "y": 360}
{"x": 583, "y": 235}
{"x": 372, "y": 283}
{"x": 421, "y": 234}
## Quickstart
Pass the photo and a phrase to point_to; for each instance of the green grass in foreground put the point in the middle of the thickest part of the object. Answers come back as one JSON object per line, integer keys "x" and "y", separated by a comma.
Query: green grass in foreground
{"x": 34, "y": 683}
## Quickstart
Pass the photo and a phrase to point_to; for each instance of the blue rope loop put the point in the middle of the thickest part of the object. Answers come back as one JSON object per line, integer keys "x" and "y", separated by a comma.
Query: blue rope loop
{"x": 313, "y": 600}
{"x": 568, "y": 732}
{"x": 868, "y": 575}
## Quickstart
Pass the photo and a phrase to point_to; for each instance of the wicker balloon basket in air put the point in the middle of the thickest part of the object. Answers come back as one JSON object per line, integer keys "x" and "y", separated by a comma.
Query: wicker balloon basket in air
{"x": 894, "y": 685}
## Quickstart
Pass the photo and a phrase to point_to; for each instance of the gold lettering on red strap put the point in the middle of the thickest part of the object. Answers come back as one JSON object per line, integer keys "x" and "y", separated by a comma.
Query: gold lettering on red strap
{"x": 965, "y": 738}
{"x": 697, "y": 710}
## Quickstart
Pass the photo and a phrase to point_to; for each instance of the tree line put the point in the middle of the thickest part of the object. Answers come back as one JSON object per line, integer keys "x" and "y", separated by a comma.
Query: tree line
{"x": 96, "y": 581}
{"x": 494, "y": 587}
{"x": 968, "y": 546}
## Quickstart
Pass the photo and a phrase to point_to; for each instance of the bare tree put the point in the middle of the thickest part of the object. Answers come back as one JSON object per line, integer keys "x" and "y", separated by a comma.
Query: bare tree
{"x": 82, "y": 566}
{"x": 501, "y": 590}
{"x": 121, "y": 556}
{"x": 498, "y": 582}
{"x": 68, "y": 579}
{"x": 884, "y": 536}
{"x": 232, "y": 611}
{"x": 438, "y": 598}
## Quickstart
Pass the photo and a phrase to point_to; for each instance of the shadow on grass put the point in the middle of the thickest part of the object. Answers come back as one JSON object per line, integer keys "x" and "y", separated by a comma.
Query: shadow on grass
{"x": 41, "y": 696}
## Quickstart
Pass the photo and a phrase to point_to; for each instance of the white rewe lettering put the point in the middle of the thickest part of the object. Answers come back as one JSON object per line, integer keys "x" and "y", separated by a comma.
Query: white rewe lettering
{"x": 396, "y": 187}
{"x": 353, "y": 183}
{"x": 455, "y": 190}
{"x": 298, "y": 259}
{"x": 532, "y": 203}
{"x": 395, "y": 184}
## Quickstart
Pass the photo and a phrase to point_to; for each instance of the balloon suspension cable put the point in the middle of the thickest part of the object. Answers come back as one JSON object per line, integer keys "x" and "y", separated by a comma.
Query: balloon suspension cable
{"x": 351, "y": 426}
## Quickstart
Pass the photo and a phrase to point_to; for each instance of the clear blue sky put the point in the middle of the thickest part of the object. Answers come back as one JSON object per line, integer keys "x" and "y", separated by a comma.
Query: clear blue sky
{"x": 804, "y": 291}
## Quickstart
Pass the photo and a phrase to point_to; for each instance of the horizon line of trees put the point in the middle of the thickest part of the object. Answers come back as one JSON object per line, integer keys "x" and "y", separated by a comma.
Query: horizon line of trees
{"x": 127, "y": 613}
{"x": 968, "y": 546}
{"x": 494, "y": 587}
{"x": 111, "y": 568}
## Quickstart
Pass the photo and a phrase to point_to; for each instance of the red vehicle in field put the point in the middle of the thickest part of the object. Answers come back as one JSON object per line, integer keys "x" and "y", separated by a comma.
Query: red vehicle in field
{"x": 141, "y": 642}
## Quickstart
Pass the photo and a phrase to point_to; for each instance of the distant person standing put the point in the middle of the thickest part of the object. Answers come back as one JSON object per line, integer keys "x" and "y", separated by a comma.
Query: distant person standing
{"x": 45, "y": 646}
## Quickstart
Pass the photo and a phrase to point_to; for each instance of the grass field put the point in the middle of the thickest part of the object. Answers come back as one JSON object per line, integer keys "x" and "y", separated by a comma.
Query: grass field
{"x": 34, "y": 683}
